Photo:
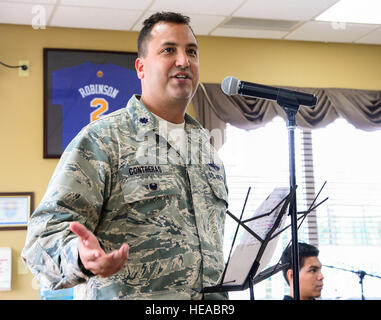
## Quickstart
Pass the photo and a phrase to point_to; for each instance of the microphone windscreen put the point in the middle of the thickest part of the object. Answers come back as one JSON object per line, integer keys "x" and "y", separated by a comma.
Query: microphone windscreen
{"x": 229, "y": 85}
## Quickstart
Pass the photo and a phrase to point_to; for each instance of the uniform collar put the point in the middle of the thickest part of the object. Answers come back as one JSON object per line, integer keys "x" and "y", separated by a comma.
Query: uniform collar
{"x": 145, "y": 121}
{"x": 142, "y": 119}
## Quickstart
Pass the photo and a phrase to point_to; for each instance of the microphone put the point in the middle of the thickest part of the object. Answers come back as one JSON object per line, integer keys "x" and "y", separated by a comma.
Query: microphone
{"x": 231, "y": 85}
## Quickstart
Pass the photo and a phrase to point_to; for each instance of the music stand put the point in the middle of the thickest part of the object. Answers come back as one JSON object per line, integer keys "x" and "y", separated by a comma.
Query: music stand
{"x": 270, "y": 272}
{"x": 245, "y": 278}
{"x": 274, "y": 231}
{"x": 282, "y": 266}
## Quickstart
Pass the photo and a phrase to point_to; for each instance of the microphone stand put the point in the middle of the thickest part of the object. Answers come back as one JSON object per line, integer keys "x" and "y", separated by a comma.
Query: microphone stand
{"x": 361, "y": 275}
{"x": 290, "y": 101}
{"x": 291, "y": 106}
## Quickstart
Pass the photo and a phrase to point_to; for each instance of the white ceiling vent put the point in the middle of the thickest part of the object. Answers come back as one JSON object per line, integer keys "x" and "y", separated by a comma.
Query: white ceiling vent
{"x": 261, "y": 24}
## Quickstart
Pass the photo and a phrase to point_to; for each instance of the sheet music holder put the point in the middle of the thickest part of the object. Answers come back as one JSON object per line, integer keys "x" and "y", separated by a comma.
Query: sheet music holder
{"x": 263, "y": 275}
{"x": 282, "y": 266}
{"x": 243, "y": 268}
{"x": 256, "y": 248}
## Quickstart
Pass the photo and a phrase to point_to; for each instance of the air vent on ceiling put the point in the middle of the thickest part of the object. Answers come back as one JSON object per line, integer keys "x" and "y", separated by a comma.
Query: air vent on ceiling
{"x": 261, "y": 24}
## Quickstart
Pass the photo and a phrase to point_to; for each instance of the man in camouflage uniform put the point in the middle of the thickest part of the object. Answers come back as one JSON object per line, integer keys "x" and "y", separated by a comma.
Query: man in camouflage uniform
{"x": 128, "y": 214}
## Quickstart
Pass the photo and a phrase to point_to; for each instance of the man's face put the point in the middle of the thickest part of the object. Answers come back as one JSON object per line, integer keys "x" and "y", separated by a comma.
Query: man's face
{"x": 170, "y": 69}
{"x": 310, "y": 279}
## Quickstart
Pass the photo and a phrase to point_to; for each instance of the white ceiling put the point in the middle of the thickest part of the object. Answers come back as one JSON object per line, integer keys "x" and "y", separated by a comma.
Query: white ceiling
{"x": 289, "y": 19}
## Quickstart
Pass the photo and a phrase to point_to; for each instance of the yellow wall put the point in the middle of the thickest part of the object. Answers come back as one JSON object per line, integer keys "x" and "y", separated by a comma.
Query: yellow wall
{"x": 22, "y": 168}
{"x": 293, "y": 63}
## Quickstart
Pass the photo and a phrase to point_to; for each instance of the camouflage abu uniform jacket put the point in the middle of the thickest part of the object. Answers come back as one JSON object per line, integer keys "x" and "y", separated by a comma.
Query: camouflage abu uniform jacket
{"x": 124, "y": 182}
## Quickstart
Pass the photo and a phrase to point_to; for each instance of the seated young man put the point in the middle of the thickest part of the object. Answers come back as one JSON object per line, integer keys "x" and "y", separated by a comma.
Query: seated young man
{"x": 310, "y": 276}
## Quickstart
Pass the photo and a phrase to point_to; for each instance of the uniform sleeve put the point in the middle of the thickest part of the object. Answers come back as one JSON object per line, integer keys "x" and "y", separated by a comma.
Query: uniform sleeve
{"x": 76, "y": 192}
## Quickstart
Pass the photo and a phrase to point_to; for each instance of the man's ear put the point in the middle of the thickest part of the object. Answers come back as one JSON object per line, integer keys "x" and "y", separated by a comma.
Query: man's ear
{"x": 139, "y": 64}
{"x": 289, "y": 276}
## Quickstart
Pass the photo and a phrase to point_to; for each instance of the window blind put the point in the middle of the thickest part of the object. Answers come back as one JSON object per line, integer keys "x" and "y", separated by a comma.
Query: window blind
{"x": 347, "y": 227}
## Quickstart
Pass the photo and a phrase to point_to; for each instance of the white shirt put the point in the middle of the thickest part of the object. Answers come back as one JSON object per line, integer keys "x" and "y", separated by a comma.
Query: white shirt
{"x": 175, "y": 135}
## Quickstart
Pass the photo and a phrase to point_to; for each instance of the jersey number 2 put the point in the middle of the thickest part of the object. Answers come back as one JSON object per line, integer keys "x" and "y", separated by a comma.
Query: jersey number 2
{"x": 102, "y": 107}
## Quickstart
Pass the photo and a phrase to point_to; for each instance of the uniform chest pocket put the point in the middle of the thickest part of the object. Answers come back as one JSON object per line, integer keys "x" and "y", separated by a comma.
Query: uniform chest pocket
{"x": 218, "y": 203}
{"x": 217, "y": 184}
{"x": 148, "y": 188}
{"x": 148, "y": 196}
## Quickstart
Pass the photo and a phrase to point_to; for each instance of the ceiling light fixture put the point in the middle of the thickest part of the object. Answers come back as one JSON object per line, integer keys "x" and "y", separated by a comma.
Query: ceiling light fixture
{"x": 353, "y": 11}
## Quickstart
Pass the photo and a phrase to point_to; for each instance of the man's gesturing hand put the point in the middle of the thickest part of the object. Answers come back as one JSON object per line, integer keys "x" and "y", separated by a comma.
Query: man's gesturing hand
{"x": 92, "y": 255}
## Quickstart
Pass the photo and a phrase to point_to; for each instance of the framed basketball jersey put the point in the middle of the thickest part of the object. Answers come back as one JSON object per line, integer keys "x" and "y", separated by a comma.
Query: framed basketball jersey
{"x": 81, "y": 87}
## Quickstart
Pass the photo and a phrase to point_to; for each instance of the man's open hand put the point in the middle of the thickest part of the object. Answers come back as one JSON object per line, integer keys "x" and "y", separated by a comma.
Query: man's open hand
{"x": 92, "y": 255}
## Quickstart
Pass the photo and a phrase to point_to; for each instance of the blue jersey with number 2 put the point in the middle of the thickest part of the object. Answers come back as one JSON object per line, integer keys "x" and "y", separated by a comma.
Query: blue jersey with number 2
{"x": 88, "y": 91}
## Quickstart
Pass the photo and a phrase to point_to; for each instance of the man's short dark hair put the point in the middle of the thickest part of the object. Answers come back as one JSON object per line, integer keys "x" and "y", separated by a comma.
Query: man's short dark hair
{"x": 305, "y": 250}
{"x": 149, "y": 23}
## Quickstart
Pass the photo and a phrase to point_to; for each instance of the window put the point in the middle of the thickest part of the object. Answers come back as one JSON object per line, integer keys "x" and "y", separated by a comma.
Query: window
{"x": 346, "y": 228}
{"x": 349, "y": 223}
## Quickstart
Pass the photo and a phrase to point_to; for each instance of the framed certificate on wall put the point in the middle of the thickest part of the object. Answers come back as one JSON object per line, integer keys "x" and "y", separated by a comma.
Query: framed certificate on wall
{"x": 15, "y": 210}
{"x": 81, "y": 86}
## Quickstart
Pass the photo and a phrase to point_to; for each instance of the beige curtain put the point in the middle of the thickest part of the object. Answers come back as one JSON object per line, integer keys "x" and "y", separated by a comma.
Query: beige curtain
{"x": 362, "y": 108}
{"x": 214, "y": 109}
